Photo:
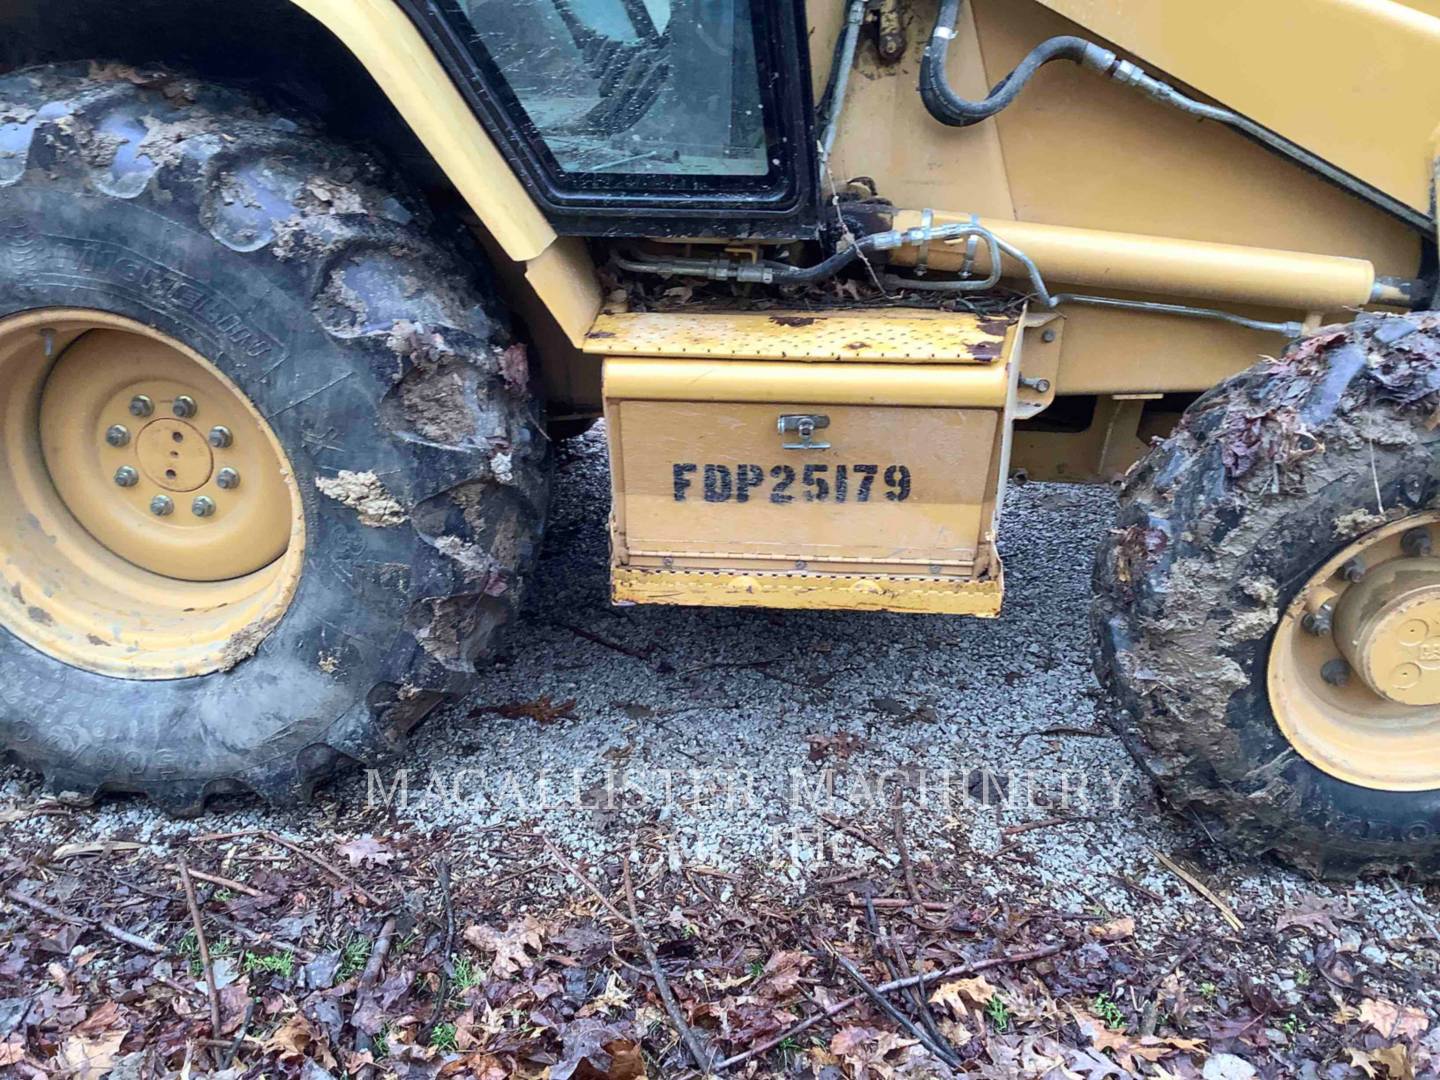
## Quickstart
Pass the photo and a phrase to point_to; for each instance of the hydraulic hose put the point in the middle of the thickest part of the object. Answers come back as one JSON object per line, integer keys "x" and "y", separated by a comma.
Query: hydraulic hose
{"x": 949, "y": 108}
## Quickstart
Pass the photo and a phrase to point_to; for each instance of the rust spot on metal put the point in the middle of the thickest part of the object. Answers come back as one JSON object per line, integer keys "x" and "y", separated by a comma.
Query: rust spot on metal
{"x": 600, "y": 334}
{"x": 993, "y": 326}
{"x": 858, "y": 345}
{"x": 40, "y": 615}
{"x": 792, "y": 320}
{"x": 99, "y": 641}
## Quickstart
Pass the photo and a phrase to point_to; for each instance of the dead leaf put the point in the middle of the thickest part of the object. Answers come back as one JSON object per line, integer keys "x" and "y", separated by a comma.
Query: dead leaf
{"x": 1312, "y": 912}
{"x": 542, "y": 710}
{"x": 961, "y": 995}
{"x": 511, "y": 946}
{"x": 1393, "y": 1021}
{"x": 365, "y": 850}
{"x": 1117, "y": 930}
{"x": 90, "y": 1058}
{"x": 1396, "y": 1060}
{"x": 596, "y": 1051}
{"x": 614, "y": 997}
{"x": 297, "y": 1039}
{"x": 782, "y": 974}
{"x": 12, "y": 1050}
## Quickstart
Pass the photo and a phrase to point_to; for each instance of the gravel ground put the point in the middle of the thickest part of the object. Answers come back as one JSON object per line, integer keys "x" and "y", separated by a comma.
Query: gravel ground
{"x": 739, "y": 737}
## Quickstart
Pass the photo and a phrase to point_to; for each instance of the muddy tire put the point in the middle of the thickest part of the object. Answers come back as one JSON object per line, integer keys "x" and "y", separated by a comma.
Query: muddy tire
{"x": 373, "y": 347}
{"x": 1268, "y": 478}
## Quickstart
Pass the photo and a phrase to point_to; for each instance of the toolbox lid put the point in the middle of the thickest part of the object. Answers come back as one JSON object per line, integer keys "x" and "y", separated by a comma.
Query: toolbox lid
{"x": 879, "y": 335}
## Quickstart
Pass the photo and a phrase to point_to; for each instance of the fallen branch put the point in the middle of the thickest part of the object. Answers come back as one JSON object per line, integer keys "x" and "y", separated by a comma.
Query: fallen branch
{"x": 223, "y": 882}
{"x": 899, "y": 968}
{"x": 442, "y": 874}
{"x": 895, "y": 902}
{"x": 374, "y": 964}
{"x": 895, "y": 1014}
{"x": 897, "y": 812}
{"x": 276, "y": 838}
{"x": 887, "y": 988}
{"x": 858, "y": 833}
{"x": 210, "y": 991}
{"x": 1204, "y": 890}
{"x": 667, "y": 996}
{"x": 133, "y": 940}
{"x": 614, "y": 646}
{"x": 1045, "y": 823}
{"x": 574, "y": 871}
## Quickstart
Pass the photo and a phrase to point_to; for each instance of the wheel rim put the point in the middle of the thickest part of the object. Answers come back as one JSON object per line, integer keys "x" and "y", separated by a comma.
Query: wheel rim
{"x": 1354, "y": 673}
{"x": 156, "y": 529}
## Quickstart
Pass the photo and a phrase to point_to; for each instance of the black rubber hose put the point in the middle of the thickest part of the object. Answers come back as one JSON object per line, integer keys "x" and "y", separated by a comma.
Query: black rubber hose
{"x": 949, "y": 108}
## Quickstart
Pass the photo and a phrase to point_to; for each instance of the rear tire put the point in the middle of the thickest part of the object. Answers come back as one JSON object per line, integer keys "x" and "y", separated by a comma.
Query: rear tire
{"x": 381, "y": 362}
{"x": 1270, "y": 476}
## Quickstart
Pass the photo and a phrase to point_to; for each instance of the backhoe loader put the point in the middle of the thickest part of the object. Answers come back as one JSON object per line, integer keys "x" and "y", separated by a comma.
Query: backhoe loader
{"x": 297, "y": 295}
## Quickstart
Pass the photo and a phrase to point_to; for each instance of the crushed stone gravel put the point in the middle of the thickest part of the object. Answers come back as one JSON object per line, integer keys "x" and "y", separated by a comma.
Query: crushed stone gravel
{"x": 743, "y": 737}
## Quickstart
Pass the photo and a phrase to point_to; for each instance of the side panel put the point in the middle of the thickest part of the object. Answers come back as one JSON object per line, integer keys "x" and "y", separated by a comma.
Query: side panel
{"x": 1351, "y": 80}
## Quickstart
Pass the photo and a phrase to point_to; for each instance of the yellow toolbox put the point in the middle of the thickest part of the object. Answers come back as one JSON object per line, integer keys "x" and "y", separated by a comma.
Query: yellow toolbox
{"x": 808, "y": 460}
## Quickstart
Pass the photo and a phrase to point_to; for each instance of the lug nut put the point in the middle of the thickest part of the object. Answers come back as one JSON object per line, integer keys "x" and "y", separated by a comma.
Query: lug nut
{"x": 228, "y": 479}
{"x": 1335, "y": 672}
{"x": 125, "y": 476}
{"x": 1048, "y": 336}
{"x": 1416, "y": 543}
{"x": 1353, "y": 571}
{"x": 1318, "y": 622}
{"x": 162, "y": 506}
{"x": 184, "y": 407}
{"x": 203, "y": 506}
{"x": 220, "y": 437}
{"x": 118, "y": 435}
{"x": 140, "y": 405}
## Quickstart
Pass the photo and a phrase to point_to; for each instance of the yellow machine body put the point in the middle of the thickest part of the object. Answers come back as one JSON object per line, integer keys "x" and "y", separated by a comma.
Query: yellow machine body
{"x": 1110, "y": 192}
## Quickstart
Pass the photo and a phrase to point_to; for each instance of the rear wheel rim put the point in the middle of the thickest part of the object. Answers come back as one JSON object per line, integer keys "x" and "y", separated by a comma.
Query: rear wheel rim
{"x": 157, "y": 529}
{"x": 1354, "y": 670}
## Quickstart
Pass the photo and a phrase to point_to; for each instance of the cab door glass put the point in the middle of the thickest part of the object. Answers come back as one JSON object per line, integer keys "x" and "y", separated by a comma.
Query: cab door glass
{"x": 647, "y": 87}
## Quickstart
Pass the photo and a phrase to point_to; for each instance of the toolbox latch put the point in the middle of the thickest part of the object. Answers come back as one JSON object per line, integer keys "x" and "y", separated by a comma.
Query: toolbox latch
{"x": 804, "y": 425}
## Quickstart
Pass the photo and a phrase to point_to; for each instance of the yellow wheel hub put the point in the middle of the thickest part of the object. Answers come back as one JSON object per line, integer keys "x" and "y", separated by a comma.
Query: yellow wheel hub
{"x": 154, "y": 528}
{"x": 205, "y": 496}
{"x": 1354, "y": 674}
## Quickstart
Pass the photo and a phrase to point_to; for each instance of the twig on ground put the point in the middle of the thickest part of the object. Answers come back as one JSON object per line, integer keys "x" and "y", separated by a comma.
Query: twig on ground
{"x": 667, "y": 996}
{"x": 1045, "y": 823}
{"x": 275, "y": 838}
{"x": 885, "y": 902}
{"x": 223, "y": 882}
{"x": 1226, "y": 912}
{"x": 210, "y": 991}
{"x": 895, "y": 1014}
{"x": 574, "y": 871}
{"x": 886, "y": 988}
{"x": 234, "y": 1048}
{"x": 900, "y": 968}
{"x": 133, "y": 940}
{"x": 1138, "y": 889}
{"x": 615, "y": 646}
{"x": 442, "y": 875}
{"x": 897, "y": 813}
{"x": 376, "y": 963}
{"x": 858, "y": 833}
